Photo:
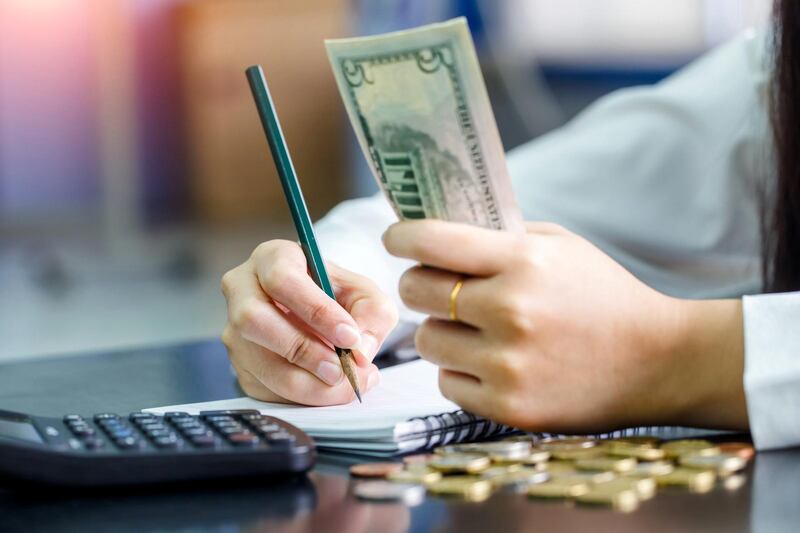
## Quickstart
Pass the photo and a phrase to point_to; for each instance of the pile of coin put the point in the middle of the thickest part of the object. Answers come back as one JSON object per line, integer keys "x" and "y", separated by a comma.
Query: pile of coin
{"x": 617, "y": 473}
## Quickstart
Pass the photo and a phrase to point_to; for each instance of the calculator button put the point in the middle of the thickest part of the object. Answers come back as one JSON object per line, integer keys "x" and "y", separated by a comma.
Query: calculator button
{"x": 127, "y": 443}
{"x": 221, "y": 419}
{"x": 253, "y": 417}
{"x": 105, "y": 416}
{"x": 173, "y": 415}
{"x": 268, "y": 428}
{"x": 141, "y": 416}
{"x": 158, "y": 433}
{"x": 243, "y": 439}
{"x": 73, "y": 418}
{"x": 93, "y": 443}
{"x": 83, "y": 431}
{"x": 231, "y": 430}
{"x": 166, "y": 442}
{"x": 280, "y": 438}
{"x": 193, "y": 432}
{"x": 229, "y": 412}
{"x": 154, "y": 426}
{"x": 203, "y": 441}
{"x": 121, "y": 433}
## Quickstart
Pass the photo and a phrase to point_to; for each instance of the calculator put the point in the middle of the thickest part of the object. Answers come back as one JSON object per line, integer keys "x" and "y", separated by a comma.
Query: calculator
{"x": 108, "y": 449}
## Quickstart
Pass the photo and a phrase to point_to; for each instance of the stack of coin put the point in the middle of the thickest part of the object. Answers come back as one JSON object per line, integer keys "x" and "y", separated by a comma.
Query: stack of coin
{"x": 617, "y": 473}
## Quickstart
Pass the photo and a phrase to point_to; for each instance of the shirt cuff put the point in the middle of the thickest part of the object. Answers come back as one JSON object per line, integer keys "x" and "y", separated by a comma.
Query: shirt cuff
{"x": 772, "y": 368}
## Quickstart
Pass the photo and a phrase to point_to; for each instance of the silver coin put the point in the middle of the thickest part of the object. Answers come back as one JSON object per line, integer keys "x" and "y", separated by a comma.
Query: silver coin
{"x": 386, "y": 491}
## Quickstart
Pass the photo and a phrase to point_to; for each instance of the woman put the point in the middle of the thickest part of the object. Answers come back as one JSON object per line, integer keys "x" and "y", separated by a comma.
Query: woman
{"x": 663, "y": 207}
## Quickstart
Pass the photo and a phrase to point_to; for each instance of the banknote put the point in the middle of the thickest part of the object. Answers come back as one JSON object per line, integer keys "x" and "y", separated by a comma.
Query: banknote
{"x": 420, "y": 110}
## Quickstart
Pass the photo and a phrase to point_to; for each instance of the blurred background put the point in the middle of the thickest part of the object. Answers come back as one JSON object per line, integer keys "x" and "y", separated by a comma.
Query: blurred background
{"x": 133, "y": 171}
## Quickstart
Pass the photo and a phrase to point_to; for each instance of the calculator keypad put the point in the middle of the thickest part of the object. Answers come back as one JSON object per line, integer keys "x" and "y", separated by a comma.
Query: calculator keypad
{"x": 178, "y": 431}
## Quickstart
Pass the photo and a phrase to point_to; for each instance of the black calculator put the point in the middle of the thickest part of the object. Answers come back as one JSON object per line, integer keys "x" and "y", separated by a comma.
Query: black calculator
{"x": 108, "y": 449}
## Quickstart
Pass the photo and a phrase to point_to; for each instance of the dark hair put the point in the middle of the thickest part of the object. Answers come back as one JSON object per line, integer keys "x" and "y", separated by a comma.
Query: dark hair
{"x": 781, "y": 220}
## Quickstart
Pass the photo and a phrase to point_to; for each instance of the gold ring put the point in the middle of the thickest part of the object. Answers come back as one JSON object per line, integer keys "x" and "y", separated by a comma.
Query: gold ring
{"x": 453, "y": 296}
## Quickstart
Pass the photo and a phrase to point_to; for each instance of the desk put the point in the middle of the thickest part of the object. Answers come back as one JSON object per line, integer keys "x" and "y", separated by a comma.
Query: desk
{"x": 128, "y": 381}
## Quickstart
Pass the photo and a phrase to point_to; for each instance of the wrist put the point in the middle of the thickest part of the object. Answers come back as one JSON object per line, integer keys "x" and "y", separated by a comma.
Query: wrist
{"x": 705, "y": 374}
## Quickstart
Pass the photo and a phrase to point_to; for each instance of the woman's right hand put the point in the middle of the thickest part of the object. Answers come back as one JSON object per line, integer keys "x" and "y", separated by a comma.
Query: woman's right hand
{"x": 282, "y": 328}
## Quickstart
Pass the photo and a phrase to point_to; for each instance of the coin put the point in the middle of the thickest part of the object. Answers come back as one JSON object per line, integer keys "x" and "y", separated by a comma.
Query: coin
{"x": 639, "y": 440}
{"x": 555, "y": 468}
{"x": 734, "y": 482}
{"x": 421, "y": 476}
{"x": 586, "y": 476}
{"x": 495, "y": 471}
{"x": 643, "y": 452}
{"x": 742, "y": 449}
{"x": 469, "y": 463}
{"x": 574, "y": 454}
{"x": 694, "y": 480}
{"x": 651, "y": 469}
{"x": 384, "y": 491}
{"x": 606, "y": 463}
{"x": 519, "y": 480}
{"x": 645, "y": 488}
{"x": 376, "y": 470}
{"x": 556, "y": 488}
{"x": 623, "y": 500}
{"x": 723, "y": 464}
{"x": 676, "y": 448}
{"x": 565, "y": 443}
{"x": 467, "y": 487}
{"x": 505, "y": 449}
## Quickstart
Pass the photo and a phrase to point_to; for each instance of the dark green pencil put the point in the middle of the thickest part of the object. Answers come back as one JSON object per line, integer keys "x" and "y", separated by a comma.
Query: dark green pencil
{"x": 297, "y": 204}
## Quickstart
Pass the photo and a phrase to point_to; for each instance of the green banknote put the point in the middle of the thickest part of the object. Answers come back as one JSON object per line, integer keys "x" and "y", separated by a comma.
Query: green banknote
{"x": 421, "y": 113}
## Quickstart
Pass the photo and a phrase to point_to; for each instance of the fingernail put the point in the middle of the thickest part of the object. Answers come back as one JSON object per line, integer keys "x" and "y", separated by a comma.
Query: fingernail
{"x": 330, "y": 373}
{"x": 346, "y": 336}
{"x": 368, "y": 345}
{"x": 373, "y": 379}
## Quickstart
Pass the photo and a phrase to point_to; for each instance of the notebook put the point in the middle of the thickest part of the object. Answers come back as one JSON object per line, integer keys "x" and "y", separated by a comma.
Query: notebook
{"x": 405, "y": 413}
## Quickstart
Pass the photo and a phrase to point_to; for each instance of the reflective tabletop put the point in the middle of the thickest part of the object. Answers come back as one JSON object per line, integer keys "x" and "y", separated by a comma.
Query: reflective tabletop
{"x": 768, "y": 500}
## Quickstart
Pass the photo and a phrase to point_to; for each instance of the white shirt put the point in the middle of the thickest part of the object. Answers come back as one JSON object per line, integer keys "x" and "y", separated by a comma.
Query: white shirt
{"x": 665, "y": 179}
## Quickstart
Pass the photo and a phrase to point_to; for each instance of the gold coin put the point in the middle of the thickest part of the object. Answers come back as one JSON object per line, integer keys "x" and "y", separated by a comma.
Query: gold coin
{"x": 419, "y": 476}
{"x": 586, "y": 476}
{"x": 645, "y": 488}
{"x": 694, "y": 480}
{"x": 495, "y": 471}
{"x": 735, "y": 482}
{"x": 742, "y": 449}
{"x": 467, "y": 487}
{"x": 454, "y": 463}
{"x": 606, "y": 463}
{"x": 624, "y": 500}
{"x": 519, "y": 480}
{"x": 723, "y": 464}
{"x": 651, "y": 469}
{"x": 640, "y": 440}
{"x": 556, "y": 488}
{"x": 676, "y": 448}
{"x": 555, "y": 468}
{"x": 574, "y": 454}
{"x": 537, "y": 456}
{"x": 375, "y": 470}
{"x": 565, "y": 443}
{"x": 643, "y": 452}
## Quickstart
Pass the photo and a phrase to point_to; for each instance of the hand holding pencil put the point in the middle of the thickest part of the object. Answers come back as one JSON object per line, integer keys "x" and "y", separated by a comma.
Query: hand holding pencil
{"x": 283, "y": 326}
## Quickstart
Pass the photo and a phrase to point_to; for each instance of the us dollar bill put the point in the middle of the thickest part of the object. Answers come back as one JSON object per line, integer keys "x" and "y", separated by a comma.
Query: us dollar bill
{"x": 419, "y": 107}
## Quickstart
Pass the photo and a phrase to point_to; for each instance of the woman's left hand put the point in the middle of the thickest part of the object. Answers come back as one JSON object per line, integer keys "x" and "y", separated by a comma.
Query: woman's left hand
{"x": 552, "y": 334}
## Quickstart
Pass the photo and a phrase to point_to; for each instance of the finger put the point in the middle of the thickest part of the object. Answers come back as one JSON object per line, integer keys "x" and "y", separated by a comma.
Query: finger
{"x": 464, "y": 390}
{"x": 257, "y": 320}
{"x": 373, "y": 311}
{"x": 451, "y": 246}
{"x": 452, "y": 346}
{"x": 428, "y": 290}
{"x": 288, "y": 381}
{"x": 282, "y": 273}
{"x": 544, "y": 228}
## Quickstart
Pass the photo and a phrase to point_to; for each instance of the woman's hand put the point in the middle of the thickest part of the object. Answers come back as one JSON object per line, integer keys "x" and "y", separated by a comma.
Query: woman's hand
{"x": 282, "y": 328}
{"x": 554, "y": 335}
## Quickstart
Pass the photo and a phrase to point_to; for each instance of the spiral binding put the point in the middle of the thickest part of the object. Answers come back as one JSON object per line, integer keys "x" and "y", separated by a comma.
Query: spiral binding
{"x": 461, "y": 427}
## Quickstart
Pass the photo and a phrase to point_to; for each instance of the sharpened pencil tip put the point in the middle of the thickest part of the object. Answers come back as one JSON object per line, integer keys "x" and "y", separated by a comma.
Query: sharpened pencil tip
{"x": 358, "y": 395}
{"x": 348, "y": 365}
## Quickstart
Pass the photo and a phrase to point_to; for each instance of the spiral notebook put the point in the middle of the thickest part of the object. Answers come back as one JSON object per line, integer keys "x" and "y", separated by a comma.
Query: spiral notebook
{"x": 405, "y": 413}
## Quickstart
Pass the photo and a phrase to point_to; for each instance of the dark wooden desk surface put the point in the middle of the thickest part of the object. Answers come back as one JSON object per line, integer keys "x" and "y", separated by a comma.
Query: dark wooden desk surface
{"x": 128, "y": 381}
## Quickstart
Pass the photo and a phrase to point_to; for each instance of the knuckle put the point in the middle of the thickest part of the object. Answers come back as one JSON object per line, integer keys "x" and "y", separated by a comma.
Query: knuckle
{"x": 276, "y": 275}
{"x": 318, "y": 312}
{"x": 226, "y": 283}
{"x": 297, "y": 349}
{"x": 422, "y": 338}
{"x": 228, "y": 338}
{"x": 406, "y": 287}
{"x": 246, "y": 318}
{"x": 514, "y": 313}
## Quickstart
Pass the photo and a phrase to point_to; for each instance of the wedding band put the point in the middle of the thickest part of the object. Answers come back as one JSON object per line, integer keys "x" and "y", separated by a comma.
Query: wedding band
{"x": 453, "y": 296}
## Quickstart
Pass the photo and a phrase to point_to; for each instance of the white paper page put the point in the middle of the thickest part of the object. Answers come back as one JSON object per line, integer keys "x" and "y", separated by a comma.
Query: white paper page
{"x": 405, "y": 391}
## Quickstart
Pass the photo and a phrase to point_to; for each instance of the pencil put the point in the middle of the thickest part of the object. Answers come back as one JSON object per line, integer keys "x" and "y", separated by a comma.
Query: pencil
{"x": 297, "y": 204}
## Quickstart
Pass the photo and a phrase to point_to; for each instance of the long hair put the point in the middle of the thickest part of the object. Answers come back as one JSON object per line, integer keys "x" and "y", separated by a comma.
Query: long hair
{"x": 781, "y": 220}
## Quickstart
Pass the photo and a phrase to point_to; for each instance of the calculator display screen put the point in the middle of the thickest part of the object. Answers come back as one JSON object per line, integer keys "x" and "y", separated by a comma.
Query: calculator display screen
{"x": 16, "y": 430}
